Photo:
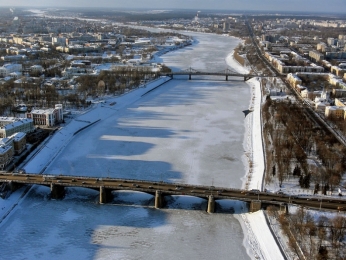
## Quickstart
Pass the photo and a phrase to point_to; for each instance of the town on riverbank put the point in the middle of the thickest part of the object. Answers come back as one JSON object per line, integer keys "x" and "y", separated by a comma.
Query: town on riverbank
{"x": 52, "y": 72}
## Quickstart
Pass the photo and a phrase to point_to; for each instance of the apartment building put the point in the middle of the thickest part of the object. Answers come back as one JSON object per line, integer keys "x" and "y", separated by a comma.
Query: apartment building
{"x": 6, "y": 155}
{"x": 316, "y": 55}
{"x": 340, "y": 102}
{"x": 338, "y": 71}
{"x": 19, "y": 142}
{"x": 12, "y": 125}
{"x": 12, "y": 58}
{"x": 339, "y": 93}
{"x": 293, "y": 79}
{"x": 335, "y": 112}
{"x": 7, "y": 69}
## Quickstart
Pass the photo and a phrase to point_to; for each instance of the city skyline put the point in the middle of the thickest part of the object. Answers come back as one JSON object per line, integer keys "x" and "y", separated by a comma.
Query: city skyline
{"x": 332, "y": 6}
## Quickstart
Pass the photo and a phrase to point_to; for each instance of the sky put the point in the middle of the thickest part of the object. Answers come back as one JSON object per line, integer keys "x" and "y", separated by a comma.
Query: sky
{"x": 333, "y": 6}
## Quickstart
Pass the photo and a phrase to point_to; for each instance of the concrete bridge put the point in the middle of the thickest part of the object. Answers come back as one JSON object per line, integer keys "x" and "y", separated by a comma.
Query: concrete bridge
{"x": 256, "y": 199}
{"x": 225, "y": 73}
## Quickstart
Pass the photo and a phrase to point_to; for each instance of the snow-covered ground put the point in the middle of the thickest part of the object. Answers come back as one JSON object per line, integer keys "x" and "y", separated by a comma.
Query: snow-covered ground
{"x": 253, "y": 134}
{"x": 258, "y": 237}
{"x": 184, "y": 131}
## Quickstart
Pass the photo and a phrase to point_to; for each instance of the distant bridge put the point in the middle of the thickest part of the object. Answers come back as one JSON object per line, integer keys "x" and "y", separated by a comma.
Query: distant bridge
{"x": 224, "y": 73}
{"x": 105, "y": 186}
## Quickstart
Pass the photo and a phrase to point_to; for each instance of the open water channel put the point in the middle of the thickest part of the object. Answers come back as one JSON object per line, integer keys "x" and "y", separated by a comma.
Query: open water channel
{"x": 184, "y": 132}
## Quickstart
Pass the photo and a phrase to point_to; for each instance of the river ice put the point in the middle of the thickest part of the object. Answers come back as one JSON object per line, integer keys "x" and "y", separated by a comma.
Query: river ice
{"x": 184, "y": 131}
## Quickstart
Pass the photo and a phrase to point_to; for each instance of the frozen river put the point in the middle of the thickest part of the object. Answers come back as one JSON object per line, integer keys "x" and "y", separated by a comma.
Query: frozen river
{"x": 185, "y": 132}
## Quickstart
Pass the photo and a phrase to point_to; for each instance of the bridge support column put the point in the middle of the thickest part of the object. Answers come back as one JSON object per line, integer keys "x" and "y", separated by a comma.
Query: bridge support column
{"x": 159, "y": 200}
{"x": 189, "y": 76}
{"x": 211, "y": 204}
{"x": 255, "y": 205}
{"x": 284, "y": 209}
{"x": 57, "y": 191}
{"x": 226, "y": 77}
{"x": 105, "y": 195}
{"x": 13, "y": 186}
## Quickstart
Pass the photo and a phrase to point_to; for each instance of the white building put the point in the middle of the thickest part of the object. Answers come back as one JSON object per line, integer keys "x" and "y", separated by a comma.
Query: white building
{"x": 7, "y": 69}
{"x": 12, "y": 125}
{"x": 47, "y": 117}
{"x": 36, "y": 68}
{"x": 59, "y": 41}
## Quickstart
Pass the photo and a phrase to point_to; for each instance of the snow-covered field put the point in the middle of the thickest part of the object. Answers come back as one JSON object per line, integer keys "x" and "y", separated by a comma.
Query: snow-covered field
{"x": 184, "y": 131}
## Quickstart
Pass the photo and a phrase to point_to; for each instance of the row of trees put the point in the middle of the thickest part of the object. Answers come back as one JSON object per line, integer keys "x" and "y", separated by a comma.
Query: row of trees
{"x": 321, "y": 238}
{"x": 113, "y": 82}
{"x": 33, "y": 91}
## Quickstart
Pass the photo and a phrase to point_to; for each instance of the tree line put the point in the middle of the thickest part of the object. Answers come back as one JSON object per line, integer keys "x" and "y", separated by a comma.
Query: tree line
{"x": 313, "y": 237}
{"x": 291, "y": 138}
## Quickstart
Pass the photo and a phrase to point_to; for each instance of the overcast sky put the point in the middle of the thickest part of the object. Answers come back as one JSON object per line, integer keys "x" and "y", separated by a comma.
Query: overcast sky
{"x": 338, "y": 6}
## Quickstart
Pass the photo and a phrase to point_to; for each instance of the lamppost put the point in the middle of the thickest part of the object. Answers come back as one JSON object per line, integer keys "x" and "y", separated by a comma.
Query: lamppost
{"x": 212, "y": 186}
{"x": 320, "y": 203}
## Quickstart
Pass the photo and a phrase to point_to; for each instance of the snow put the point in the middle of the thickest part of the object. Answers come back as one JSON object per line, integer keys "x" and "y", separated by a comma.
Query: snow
{"x": 255, "y": 147}
{"x": 259, "y": 241}
{"x": 101, "y": 111}
{"x": 8, "y": 205}
{"x": 253, "y": 136}
{"x": 264, "y": 243}
{"x": 258, "y": 237}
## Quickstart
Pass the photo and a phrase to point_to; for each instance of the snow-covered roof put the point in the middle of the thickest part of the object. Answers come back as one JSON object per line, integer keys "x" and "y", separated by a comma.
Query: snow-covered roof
{"x": 17, "y": 123}
{"x": 18, "y": 136}
{"x": 5, "y": 148}
{"x": 42, "y": 111}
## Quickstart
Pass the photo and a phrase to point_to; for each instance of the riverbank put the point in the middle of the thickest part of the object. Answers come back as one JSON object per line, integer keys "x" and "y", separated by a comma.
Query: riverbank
{"x": 56, "y": 143}
{"x": 258, "y": 239}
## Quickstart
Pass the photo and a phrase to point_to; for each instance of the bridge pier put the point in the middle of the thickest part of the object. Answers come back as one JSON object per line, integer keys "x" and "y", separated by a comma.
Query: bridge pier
{"x": 105, "y": 195}
{"x": 226, "y": 77}
{"x": 189, "y": 76}
{"x": 284, "y": 209}
{"x": 255, "y": 205}
{"x": 57, "y": 191}
{"x": 13, "y": 186}
{"x": 211, "y": 204}
{"x": 159, "y": 199}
